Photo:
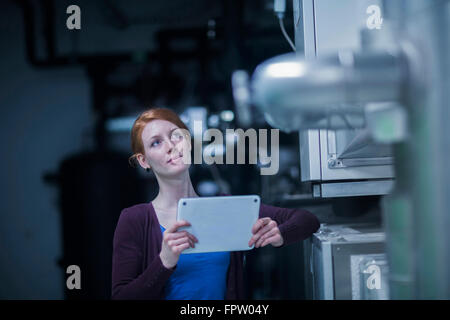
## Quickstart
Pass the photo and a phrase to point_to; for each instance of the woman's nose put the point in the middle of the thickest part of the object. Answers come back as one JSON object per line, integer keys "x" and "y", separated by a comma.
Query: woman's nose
{"x": 170, "y": 145}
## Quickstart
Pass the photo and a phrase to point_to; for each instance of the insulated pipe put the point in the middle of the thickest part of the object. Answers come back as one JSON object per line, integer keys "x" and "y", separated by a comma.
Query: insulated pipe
{"x": 295, "y": 93}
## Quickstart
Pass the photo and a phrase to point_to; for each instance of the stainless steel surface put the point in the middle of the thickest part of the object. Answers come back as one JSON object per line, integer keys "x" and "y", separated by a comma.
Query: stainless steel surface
{"x": 356, "y": 188}
{"x": 317, "y": 147}
{"x": 329, "y": 259}
{"x": 298, "y": 94}
{"x": 338, "y": 23}
{"x": 361, "y": 162}
{"x": 324, "y": 34}
{"x": 330, "y": 89}
{"x": 362, "y": 145}
{"x": 334, "y": 32}
{"x": 309, "y": 141}
{"x": 329, "y": 145}
{"x": 360, "y": 141}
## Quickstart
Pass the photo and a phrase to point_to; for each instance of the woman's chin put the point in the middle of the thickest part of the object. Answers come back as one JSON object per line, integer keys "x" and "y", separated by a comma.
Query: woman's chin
{"x": 177, "y": 168}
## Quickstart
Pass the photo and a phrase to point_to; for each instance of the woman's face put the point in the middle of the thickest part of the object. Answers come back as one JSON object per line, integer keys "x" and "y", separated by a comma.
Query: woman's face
{"x": 167, "y": 148}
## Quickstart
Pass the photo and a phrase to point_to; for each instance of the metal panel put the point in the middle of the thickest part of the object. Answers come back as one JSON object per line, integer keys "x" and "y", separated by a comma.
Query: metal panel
{"x": 338, "y": 23}
{"x": 328, "y": 272}
{"x": 341, "y": 262}
{"x": 360, "y": 145}
{"x": 308, "y": 29}
{"x": 308, "y": 139}
{"x": 356, "y": 188}
{"x": 330, "y": 25}
{"x": 327, "y": 144}
{"x": 309, "y": 155}
{"x": 330, "y": 259}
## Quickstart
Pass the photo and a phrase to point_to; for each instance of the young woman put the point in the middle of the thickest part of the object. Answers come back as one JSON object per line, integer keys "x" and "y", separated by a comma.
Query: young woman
{"x": 147, "y": 246}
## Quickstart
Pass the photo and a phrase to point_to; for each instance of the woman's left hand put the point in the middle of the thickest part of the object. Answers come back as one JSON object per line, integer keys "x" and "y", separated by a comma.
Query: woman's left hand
{"x": 265, "y": 231}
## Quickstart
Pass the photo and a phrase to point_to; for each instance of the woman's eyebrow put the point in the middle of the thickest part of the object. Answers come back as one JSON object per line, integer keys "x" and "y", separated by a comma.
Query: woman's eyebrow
{"x": 155, "y": 136}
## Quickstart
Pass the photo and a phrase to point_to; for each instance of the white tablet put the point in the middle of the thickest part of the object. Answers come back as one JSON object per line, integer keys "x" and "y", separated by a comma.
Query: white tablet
{"x": 222, "y": 223}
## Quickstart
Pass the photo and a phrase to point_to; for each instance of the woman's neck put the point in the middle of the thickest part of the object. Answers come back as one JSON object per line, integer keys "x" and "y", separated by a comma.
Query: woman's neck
{"x": 172, "y": 190}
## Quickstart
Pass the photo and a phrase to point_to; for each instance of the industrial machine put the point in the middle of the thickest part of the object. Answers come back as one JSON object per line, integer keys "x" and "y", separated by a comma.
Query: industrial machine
{"x": 335, "y": 99}
{"x": 347, "y": 262}
{"x": 367, "y": 94}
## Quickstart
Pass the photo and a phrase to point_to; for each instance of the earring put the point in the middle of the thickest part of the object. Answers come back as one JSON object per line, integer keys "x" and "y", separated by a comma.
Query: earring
{"x": 147, "y": 169}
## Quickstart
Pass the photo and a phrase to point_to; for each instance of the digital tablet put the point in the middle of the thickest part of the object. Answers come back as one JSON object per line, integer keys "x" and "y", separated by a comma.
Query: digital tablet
{"x": 222, "y": 223}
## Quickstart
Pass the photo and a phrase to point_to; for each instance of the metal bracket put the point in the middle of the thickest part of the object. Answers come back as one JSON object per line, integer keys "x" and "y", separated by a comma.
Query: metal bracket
{"x": 336, "y": 163}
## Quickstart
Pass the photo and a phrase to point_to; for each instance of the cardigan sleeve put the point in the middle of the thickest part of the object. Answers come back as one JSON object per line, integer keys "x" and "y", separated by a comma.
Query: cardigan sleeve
{"x": 294, "y": 224}
{"x": 128, "y": 280}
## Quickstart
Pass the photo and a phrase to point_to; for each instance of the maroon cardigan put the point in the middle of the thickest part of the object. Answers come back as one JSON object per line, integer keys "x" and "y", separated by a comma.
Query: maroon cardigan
{"x": 137, "y": 270}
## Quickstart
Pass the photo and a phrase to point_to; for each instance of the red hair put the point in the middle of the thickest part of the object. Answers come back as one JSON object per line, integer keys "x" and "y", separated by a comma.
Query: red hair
{"x": 143, "y": 119}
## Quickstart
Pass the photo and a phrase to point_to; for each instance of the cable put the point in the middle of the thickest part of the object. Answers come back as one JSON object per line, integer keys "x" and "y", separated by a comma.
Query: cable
{"x": 279, "y": 7}
{"x": 285, "y": 33}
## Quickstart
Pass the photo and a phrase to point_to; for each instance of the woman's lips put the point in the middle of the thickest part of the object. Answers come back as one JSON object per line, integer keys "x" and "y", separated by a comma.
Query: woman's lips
{"x": 170, "y": 160}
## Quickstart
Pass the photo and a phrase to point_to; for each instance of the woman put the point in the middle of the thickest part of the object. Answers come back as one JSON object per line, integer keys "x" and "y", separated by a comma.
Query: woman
{"x": 147, "y": 246}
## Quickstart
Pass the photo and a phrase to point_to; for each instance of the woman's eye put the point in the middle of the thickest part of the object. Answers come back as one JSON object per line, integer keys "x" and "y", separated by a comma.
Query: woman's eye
{"x": 155, "y": 143}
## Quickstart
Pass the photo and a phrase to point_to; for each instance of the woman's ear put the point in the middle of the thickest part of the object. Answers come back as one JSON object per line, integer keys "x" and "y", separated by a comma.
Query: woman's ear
{"x": 141, "y": 159}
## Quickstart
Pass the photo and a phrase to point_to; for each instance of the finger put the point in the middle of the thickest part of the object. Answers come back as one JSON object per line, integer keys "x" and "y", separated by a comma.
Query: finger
{"x": 265, "y": 236}
{"x": 194, "y": 238}
{"x": 273, "y": 239}
{"x": 178, "y": 224}
{"x": 258, "y": 235}
{"x": 259, "y": 224}
{"x": 180, "y": 234}
{"x": 181, "y": 247}
{"x": 176, "y": 242}
{"x": 176, "y": 235}
{"x": 271, "y": 225}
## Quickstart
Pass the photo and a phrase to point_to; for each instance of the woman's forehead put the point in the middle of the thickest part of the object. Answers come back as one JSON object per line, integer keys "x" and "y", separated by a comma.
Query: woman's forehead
{"x": 157, "y": 127}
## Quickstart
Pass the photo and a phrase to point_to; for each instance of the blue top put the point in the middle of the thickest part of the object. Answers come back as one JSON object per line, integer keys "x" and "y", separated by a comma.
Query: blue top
{"x": 199, "y": 276}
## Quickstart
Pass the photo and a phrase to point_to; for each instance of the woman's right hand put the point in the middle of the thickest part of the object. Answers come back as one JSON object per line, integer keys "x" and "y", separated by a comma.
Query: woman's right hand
{"x": 174, "y": 242}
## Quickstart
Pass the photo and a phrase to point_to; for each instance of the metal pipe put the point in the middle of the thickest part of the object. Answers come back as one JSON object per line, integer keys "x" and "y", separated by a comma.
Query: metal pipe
{"x": 295, "y": 93}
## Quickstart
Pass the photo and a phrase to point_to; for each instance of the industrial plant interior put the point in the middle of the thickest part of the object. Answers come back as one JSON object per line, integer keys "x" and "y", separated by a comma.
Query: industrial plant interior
{"x": 358, "y": 89}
